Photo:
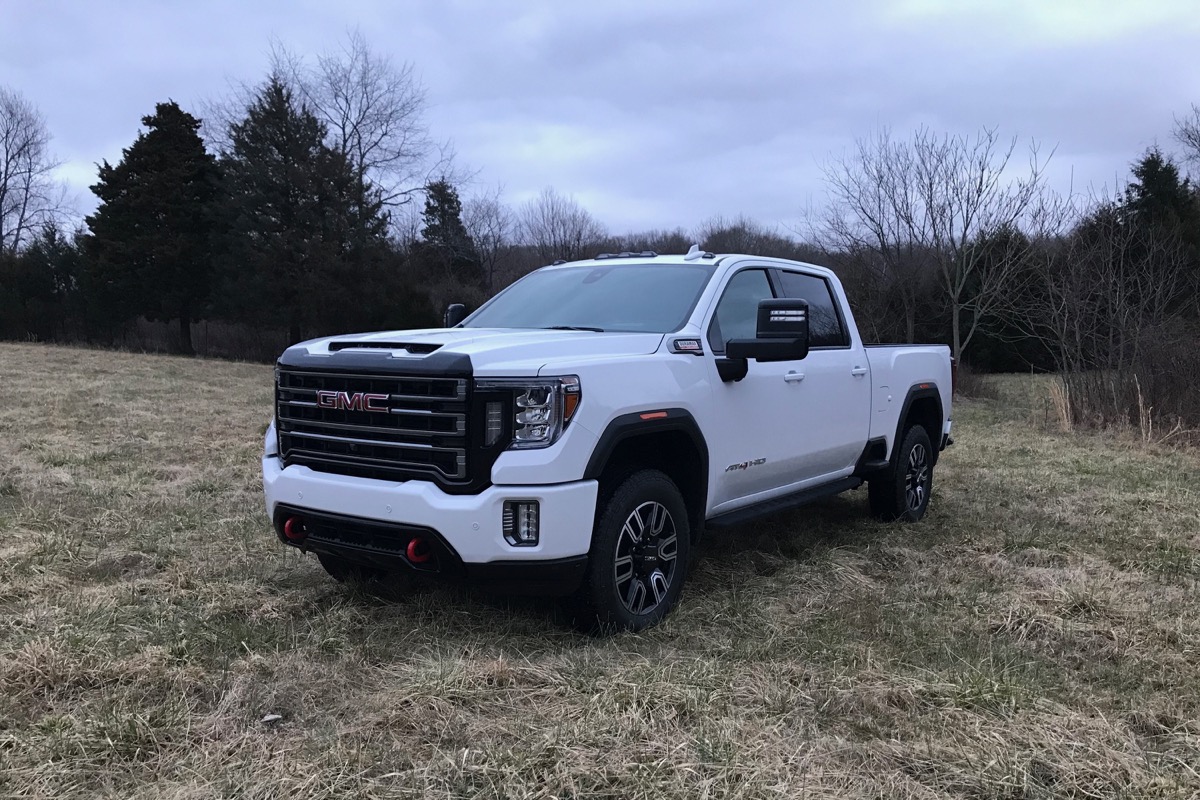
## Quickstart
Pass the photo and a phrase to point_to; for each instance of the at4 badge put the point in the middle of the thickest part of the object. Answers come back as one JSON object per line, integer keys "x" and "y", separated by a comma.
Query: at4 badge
{"x": 745, "y": 465}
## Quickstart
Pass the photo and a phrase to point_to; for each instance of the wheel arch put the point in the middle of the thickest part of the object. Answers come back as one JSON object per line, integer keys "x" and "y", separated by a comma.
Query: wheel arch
{"x": 922, "y": 406}
{"x": 668, "y": 440}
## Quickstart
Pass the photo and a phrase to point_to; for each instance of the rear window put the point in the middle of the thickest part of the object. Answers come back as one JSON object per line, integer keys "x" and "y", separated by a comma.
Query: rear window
{"x": 825, "y": 327}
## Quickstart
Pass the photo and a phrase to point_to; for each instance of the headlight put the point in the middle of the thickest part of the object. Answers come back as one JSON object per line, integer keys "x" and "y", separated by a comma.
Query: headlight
{"x": 541, "y": 409}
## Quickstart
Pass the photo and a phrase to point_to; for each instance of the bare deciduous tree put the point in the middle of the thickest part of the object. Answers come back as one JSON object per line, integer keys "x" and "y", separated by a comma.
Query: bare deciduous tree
{"x": 373, "y": 110}
{"x": 1108, "y": 309}
{"x": 927, "y": 204}
{"x": 491, "y": 225}
{"x": 29, "y": 195}
{"x": 874, "y": 213}
{"x": 967, "y": 196}
{"x": 739, "y": 234}
{"x": 676, "y": 240}
{"x": 1187, "y": 133}
{"x": 556, "y": 226}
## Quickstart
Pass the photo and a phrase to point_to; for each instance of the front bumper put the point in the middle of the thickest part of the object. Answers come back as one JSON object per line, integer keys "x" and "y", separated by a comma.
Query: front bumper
{"x": 386, "y": 545}
{"x": 470, "y": 526}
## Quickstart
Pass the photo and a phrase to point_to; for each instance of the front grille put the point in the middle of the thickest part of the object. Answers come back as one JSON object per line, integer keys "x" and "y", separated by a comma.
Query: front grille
{"x": 418, "y": 432}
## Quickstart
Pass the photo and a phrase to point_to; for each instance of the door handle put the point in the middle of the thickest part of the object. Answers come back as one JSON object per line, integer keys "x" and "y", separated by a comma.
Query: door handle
{"x": 858, "y": 372}
{"x": 794, "y": 377}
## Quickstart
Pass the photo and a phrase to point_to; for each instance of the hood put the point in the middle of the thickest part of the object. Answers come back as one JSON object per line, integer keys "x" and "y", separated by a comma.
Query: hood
{"x": 491, "y": 351}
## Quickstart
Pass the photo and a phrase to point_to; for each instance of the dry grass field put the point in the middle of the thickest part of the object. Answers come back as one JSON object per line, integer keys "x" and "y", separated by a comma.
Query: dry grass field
{"x": 1038, "y": 635}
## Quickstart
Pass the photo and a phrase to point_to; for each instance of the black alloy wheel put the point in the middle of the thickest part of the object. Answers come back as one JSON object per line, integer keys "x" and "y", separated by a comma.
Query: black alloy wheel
{"x": 902, "y": 491}
{"x": 646, "y": 557}
{"x": 638, "y": 561}
{"x": 917, "y": 478}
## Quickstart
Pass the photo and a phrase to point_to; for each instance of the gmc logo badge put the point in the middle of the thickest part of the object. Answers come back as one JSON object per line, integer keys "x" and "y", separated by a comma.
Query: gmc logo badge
{"x": 345, "y": 401}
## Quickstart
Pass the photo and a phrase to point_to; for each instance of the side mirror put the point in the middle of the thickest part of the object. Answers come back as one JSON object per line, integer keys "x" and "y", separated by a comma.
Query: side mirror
{"x": 455, "y": 313}
{"x": 782, "y": 336}
{"x": 782, "y": 333}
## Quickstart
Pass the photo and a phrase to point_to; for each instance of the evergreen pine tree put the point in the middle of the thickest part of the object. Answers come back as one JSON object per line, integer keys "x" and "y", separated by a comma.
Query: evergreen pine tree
{"x": 150, "y": 236}
{"x": 446, "y": 249}
{"x": 1159, "y": 194}
{"x": 1165, "y": 208}
{"x": 305, "y": 245}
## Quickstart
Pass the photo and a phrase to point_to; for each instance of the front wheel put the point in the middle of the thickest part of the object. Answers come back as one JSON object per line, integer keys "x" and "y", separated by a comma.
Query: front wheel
{"x": 902, "y": 492}
{"x": 639, "y": 556}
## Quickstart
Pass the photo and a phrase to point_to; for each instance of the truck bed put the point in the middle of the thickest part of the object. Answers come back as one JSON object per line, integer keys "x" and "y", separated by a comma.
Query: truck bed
{"x": 897, "y": 368}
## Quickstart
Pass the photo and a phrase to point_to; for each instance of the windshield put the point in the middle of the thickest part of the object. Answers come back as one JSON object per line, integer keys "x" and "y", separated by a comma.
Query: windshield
{"x": 642, "y": 298}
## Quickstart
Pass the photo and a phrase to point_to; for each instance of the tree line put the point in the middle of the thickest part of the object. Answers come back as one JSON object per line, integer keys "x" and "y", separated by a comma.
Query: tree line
{"x": 317, "y": 201}
{"x": 314, "y": 202}
{"x": 943, "y": 238}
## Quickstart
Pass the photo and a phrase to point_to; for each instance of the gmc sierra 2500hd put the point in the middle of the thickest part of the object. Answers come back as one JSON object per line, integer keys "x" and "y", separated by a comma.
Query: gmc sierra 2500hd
{"x": 576, "y": 433}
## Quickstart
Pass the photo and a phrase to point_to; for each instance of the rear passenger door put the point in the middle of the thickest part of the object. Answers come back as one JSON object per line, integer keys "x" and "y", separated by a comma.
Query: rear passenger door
{"x": 834, "y": 395}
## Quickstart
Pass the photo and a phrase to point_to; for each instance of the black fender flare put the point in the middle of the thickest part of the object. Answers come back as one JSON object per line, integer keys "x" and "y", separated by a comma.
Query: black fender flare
{"x": 649, "y": 422}
{"x": 917, "y": 391}
{"x": 641, "y": 423}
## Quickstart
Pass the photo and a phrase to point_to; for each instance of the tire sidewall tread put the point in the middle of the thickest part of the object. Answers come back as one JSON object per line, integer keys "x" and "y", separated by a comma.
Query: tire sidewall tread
{"x": 886, "y": 493}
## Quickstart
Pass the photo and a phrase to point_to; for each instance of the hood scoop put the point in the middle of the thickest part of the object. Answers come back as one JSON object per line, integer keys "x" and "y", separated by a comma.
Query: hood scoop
{"x": 416, "y": 348}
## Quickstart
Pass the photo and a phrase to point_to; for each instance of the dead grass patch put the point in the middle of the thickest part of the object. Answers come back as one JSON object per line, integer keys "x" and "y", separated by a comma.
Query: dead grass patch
{"x": 1036, "y": 636}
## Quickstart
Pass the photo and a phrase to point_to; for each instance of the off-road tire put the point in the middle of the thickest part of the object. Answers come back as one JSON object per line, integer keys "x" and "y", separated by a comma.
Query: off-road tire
{"x": 638, "y": 562}
{"x": 902, "y": 492}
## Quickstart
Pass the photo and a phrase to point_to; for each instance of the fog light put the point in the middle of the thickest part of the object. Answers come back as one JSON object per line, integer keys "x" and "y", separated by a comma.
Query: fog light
{"x": 521, "y": 523}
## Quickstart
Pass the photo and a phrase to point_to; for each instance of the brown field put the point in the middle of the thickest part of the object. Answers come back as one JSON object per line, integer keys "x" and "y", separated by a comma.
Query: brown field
{"x": 1038, "y": 635}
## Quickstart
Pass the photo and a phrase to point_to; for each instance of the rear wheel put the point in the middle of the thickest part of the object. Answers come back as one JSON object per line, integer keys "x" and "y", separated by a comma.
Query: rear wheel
{"x": 902, "y": 492}
{"x": 639, "y": 556}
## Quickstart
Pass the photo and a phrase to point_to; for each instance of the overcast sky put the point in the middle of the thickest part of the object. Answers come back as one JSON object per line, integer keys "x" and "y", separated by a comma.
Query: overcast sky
{"x": 652, "y": 114}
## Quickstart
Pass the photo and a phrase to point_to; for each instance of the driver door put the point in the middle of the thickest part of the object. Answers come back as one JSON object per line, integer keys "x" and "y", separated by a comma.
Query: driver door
{"x": 758, "y": 449}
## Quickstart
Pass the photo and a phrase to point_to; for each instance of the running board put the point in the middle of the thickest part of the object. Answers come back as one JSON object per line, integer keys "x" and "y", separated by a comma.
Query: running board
{"x": 785, "y": 503}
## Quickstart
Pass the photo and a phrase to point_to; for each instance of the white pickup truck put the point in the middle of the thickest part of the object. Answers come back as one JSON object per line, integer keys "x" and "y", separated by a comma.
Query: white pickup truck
{"x": 578, "y": 432}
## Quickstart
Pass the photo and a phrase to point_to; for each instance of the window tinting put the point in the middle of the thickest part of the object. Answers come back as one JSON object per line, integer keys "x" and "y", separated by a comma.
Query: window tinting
{"x": 824, "y": 325}
{"x": 737, "y": 312}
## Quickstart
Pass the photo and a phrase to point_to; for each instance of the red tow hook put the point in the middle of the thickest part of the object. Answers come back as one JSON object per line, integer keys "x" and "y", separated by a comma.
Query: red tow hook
{"x": 294, "y": 529}
{"x": 418, "y": 550}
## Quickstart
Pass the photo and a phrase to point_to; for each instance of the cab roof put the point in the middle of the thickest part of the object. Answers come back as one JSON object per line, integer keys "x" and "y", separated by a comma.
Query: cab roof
{"x": 693, "y": 257}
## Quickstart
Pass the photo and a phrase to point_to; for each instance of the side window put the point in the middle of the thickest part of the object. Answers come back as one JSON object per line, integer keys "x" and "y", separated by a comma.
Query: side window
{"x": 824, "y": 323}
{"x": 737, "y": 311}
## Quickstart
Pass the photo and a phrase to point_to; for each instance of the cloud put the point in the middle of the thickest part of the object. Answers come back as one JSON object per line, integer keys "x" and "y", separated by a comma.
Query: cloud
{"x": 653, "y": 115}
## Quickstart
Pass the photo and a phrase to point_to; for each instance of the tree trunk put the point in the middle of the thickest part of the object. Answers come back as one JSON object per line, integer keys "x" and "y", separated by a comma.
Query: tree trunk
{"x": 185, "y": 332}
{"x": 955, "y": 313}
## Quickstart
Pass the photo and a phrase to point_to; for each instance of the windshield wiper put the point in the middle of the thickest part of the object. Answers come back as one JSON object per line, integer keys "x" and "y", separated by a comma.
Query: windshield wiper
{"x": 572, "y": 328}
